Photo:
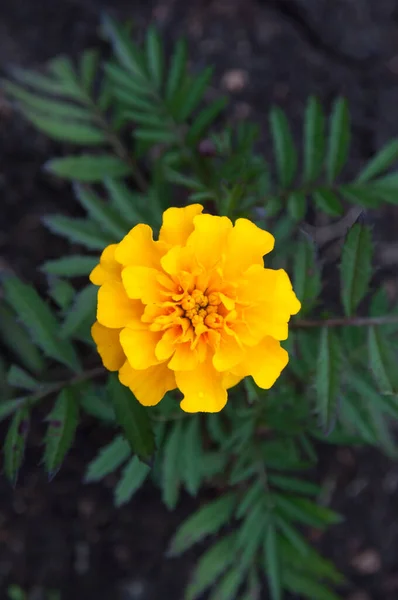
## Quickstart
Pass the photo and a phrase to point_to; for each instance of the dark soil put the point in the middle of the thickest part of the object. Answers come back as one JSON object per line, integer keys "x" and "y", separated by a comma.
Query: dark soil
{"x": 66, "y": 534}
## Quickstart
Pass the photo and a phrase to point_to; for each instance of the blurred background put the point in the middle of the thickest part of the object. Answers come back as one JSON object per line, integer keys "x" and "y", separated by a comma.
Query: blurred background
{"x": 64, "y": 534}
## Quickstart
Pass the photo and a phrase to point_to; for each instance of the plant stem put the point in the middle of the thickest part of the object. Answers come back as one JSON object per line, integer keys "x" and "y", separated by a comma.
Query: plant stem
{"x": 344, "y": 322}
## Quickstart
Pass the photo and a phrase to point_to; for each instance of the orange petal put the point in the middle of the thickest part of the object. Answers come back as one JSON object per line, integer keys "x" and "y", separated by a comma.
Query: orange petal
{"x": 178, "y": 224}
{"x": 115, "y": 309}
{"x": 203, "y": 389}
{"x": 209, "y": 239}
{"x": 108, "y": 268}
{"x": 139, "y": 347}
{"x": 108, "y": 346}
{"x": 149, "y": 385}
{"x": 142, "y": 283}
{"x": 138, "y": 248}
{"x": 263, "y": 362}
{"x": 246, "y": 246}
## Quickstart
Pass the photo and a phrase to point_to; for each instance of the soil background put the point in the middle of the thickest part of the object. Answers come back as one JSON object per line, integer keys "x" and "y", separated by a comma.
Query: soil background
{"x": 66, "y": 534}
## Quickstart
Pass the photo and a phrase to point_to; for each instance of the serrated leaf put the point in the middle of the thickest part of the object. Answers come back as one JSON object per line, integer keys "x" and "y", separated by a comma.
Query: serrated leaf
{"x": 204, "y": 120}
{"x": 328, "y": 201}
{"x": 19, "y": 378}
{"x": 251, "y": 533}
{"x": 70, "y": 266}
{"x": 327, "y": 380}
{"x": 309, "y": 562}
{"x": 252, "y": 496}
{"x": 381, "y": 360}
{"x": 292, "y": 484}
{"x": 39, "y": 320}
{"x": 339, "y": 139}
{"x": 132, "y": 207}
{"x": 192, "y": 457}
{"x": 82, "y": 310}
{"x": 171, "y": 465}
{"x": 194, "y": 93}
{"x": 8, "y": 407}
{"x": 43, "y": 83}
{"x": 88, "y": 168}
{"x": 14, "y": 444}
{"x": 155, "y": 57}
{"x": 62, "y": 424}
{"x": 177, "y": 69}
{"x": 133, "y": 418}
{"x": 272, "y": 563}
{"x": 284, "y": 148}
{"x": 206, "y": 521}
{"x": 297, "y": 205}
{"x": 61, "y": 291}
{"x": 362, "y": 195}
{"x": 67, "y": 131}
{"x": 211, "y": 565}
{"x": 133, "y": 476}
{"x": 356, "y": 267}
{"x": 107, "y": 218}
{"x": 94, "y": 402}
{"x": 228, "y": 587}
{"x": 295, "y": 538}
{"x": 17, "y": 339}
{"x": 379, "y": 163}
{"x": 108, "y": 459}
{"x": 304, "y": 511}
{"x": 147, "y": 119}
{"x": 306, "y": 275}
{"x": 127, "y": 53}
{"x": 88, "y": 67}
{"x": 155, "y": 136}
{"x": 129, "y": 89}
{"x": 78, "y": 231}
{"x": 307, "y": 587}
{"x": 314, "y": 140}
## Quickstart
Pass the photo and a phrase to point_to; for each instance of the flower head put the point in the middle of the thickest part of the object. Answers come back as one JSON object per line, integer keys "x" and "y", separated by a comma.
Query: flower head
{"x": 195, "y": 310}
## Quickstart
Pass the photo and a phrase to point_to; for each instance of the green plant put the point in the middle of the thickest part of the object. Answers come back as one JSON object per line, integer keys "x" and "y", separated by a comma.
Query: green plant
{"x": 151, "y": 135}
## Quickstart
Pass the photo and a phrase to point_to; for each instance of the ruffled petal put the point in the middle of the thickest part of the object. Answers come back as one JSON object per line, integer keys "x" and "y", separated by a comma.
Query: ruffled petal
{"x": 263, "y": 362}
{"x": 228, "y": 353}
{"x": 108, "y": 268}
{"x": 246, "y": 246}
{"x": 139, "y": 347}
{"x": 138, "y": 248}
{"x": 108, "y": 346}
{"x": 178, "y": 224}
{"x": 149, "y": 385}
{"x": 184, "y": 358}
{"x": 203, "y": 389}
{"x": 267, "y": 285}
{"x": 209, "y": 238}
{"x": 142, "y": 283}
{"x": 115, "y": 309}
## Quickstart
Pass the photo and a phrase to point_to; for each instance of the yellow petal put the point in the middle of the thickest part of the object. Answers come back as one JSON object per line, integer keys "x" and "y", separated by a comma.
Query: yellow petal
{"x": 184, "y": 358}
{"x": 115, "y": 309}
{"x": 228, "y": 354}
{"x": 138, "y": 248}
{"x": 139, "y": 347}
{"x": 209, "y": 239}
{"x": 167, "y": 344}
{"x": 108, "y": 346}
{"x": 108, "y": 268}
{"x": 268, "y": 285}
{"x": 263, "y": 362}
{"x": 149, "y": 385}
{"x": 229, "y": 380}
{"x": 246, "y": 246}
{"x": 142, "y": 283}
{"x": 178, "y": 224}
{"x": 203, "y": 389}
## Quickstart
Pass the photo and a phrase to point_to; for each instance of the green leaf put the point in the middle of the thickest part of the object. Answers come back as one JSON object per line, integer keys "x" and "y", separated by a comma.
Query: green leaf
{"x": 339, "y": 139}
{"x": 295, "y": 538}
{"x": 194, "y": 93}
{"x": 16, "y": 593}
{"x": 62, "y": 424}
{"x": 252, "y": 496}
{"x": 82, "y": 311}
{"x": 206, "y": 521}
{"x": 8, "y": 407}
{"x": 131, "y": 90}
{"x": 133, "y": 418}
{"x": 155, "y": 136}
{"x": 78, "y": 231}
{"x": 66, "y": 131}
{"x": 133, "y": 476}
{"x": 327, "y": 380}
{"x": 304, "y": 511}
{"x": 70, "y": 266}
{"x": 108, "y": 459}
{"x": 40, "y": 321}
{"x": 62, "y": 292}
{"x": 307, "y": 587}
{"x": 328, "y": 202}
{"x": 88, "y": 167}
{"x": 314, "y": 140}
{"x": 271, "y": 562}
{"x": 88, "y": 68}
{"x": 297, "y": 205}
{"x": 362, "y": 195}
{"x": 251, "y": 533}
{"x": 126, "y": 52}
{"x": 211, "y": 565}
{"x": 132, "y": 207}
{"x": 284, "y": 148}
{"x": 177, "y": 69}
{"x": 307, "y": 279}
{"x": 192, "y": 457}
{"x": 17, "y": 339}
{"x": 356, "y": 267}
{"x": 381, "y": 360}
{"x": 19, "y": 378}
{"x": 204, "y": 120}
{"x": 14, "y": 444}
{"x": 228, "y": 587}
{"x": 107, "y": 218}
{"x": 155, "y": 57}
{"x": 171, "y": 465}
{"x": 292, "y": 484}
{"x": 379, "y": 163}
{"x": 95, "y": 402}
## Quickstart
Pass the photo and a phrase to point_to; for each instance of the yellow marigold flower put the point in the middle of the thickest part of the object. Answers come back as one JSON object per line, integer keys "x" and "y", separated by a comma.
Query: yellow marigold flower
{"x": 195, "y": 310}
